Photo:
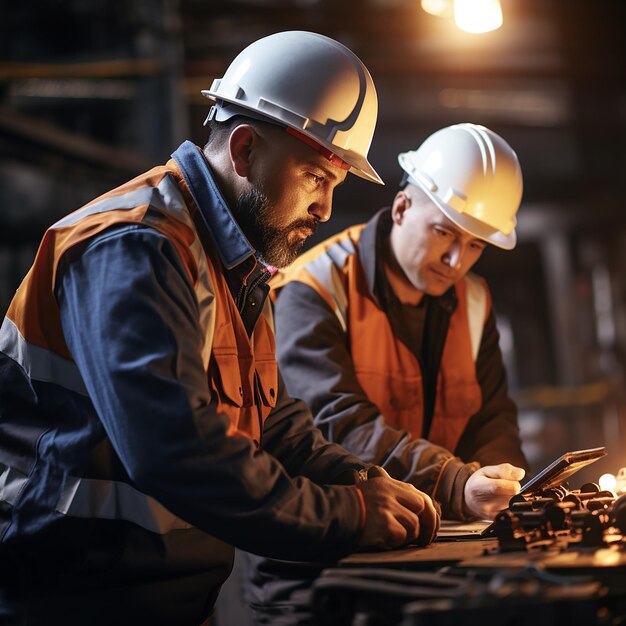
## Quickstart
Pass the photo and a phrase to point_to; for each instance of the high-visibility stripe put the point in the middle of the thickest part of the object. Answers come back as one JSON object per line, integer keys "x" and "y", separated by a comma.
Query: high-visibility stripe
{"x": 325, "y": 269}
{"x": 340, "y": 251}
{"x": 268, "y": 314}
{"x": 165, "y": 196}
{"x": 112, "y": 500}
{"x": 11, "y": 483}
{"x": 39, "y": 363}
{"x": 205, "y": 294}
{"x": 476, "y": 310}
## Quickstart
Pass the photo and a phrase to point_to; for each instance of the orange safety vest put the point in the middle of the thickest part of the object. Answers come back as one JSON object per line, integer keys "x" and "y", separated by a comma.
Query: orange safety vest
{"x": 241, "y": 371}
{"x": 388, "y": 372}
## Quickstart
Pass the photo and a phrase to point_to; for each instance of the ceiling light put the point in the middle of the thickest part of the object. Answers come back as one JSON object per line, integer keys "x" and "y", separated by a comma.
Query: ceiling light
{"x": 477, "y": 16}
{"x": 436, "y": 7}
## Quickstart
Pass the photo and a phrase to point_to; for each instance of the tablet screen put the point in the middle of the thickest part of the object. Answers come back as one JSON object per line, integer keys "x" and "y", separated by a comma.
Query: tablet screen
{"x": 561, "y": 469}
{"x": 553, "y": 475}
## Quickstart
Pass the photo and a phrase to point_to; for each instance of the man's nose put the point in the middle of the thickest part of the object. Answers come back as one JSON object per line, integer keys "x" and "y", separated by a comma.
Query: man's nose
{"x": 322, "y": 209}
{"x": 453, "y": 255}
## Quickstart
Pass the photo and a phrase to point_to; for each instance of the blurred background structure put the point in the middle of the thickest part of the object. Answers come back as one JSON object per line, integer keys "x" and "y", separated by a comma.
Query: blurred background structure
{"x": 93, "y": 92}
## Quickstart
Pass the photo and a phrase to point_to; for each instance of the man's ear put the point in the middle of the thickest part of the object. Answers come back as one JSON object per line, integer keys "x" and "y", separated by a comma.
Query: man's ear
{"x": 240, "y": 144}
{"x": 401, "y": 203}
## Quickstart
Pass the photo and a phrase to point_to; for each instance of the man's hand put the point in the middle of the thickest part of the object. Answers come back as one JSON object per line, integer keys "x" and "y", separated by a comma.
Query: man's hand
{"x": 396, "y": 513}
{"x": 488, "y": 489}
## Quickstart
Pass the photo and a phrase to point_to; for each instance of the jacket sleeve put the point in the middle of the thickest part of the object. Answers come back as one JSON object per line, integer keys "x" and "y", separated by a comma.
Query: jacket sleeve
{"x": 492, "y": 434}
{"x": 290, "y": 435}
{"x": 314, "y": 355}
{"x": 130, "y": 318}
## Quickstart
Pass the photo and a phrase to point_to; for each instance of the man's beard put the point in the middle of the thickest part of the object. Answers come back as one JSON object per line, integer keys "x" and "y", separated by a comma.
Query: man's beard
{"x": 254, "y": 212}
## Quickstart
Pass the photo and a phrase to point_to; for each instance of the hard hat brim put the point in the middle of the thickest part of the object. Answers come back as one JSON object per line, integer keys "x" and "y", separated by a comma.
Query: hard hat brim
{"x": 359, "y": 165}
{"x": 470, "y": 224}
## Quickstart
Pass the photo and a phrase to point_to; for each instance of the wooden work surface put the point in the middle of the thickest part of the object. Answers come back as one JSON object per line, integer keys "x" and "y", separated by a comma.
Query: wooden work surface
{"x": 438, "y": 554}
{"x": 572, "y": 558}
{"x": 607, "y": 563}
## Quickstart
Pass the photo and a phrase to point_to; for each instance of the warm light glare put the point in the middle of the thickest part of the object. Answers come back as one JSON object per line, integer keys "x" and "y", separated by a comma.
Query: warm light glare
{"x": 435, "y": 7}
{"x": 477, "y": 16}
{"x": 607, "y": 482}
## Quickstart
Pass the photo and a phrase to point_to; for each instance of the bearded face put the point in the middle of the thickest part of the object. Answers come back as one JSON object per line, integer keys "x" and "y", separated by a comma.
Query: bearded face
{"x": 285, "y": 189}
{"x": 277, "y": 242}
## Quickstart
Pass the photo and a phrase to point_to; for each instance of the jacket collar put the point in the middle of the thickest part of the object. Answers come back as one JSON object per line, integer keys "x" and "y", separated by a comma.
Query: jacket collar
{"x": 371, "y": 246}
{"x": 231, "y": 244}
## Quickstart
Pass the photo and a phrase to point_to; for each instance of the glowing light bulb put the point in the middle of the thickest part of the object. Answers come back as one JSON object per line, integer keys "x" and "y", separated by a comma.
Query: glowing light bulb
{"x": 607, "y": 482}
{"x": 435, "y": 7}
{"x": 477, "y": 16}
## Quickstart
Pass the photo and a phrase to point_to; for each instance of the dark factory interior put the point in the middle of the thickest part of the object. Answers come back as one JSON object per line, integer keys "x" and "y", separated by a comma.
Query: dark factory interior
{"x": 94, "y": 92}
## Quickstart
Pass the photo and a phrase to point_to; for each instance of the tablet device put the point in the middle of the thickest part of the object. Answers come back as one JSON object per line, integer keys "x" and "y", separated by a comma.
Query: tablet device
{"x": 561, "y": 469}
{"x": 553, "y": 475}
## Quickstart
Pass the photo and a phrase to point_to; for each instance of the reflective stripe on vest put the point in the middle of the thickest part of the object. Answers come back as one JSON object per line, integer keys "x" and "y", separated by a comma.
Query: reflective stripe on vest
{"x": 39, "y": 363}
{"x": 476, "y": 310}
{"x": 164, "y": 196}
{"x": 324, "y": 268}
{"x": 100, "y": 499}
{"x": 107, "y": 499}
{"x": 11, "y": 483}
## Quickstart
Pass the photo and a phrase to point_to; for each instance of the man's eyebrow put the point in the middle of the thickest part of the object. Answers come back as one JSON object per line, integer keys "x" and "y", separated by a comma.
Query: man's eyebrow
{"x": 329, "y": 172}
{"x": 458, "y": 231}
{"x": 440, "y": 221}
{"x": 451, "y": 227}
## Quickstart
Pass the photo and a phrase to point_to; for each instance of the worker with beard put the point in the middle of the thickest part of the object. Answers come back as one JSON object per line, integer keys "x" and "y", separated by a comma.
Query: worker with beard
{"x": 144, "y": 427}
{"x": 392, "y": 341}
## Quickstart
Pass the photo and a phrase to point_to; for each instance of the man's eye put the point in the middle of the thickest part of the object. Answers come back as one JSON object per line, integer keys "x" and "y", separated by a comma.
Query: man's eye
{"x": 479, "y": 246}
{"x": 441, "y": 232}
{"x": 316, "y": 179}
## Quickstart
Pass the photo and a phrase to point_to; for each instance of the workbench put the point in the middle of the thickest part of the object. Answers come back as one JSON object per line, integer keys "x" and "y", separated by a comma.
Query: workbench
{"x": 470, "y": 580}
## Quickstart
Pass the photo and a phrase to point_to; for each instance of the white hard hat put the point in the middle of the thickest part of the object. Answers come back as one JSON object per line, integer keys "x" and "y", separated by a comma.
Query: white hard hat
{"x": 473, "y": 176}
{"x": 311, "y": 84}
